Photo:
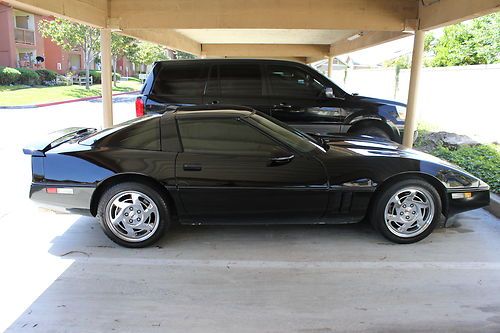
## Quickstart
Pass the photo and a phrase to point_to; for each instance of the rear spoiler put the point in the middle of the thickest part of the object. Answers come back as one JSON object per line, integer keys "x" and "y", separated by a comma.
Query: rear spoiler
{"x": 54, "y": 139}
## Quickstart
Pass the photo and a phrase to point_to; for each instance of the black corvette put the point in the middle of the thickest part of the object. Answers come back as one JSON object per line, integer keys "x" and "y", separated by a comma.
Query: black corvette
{"x": 234, "y": 165}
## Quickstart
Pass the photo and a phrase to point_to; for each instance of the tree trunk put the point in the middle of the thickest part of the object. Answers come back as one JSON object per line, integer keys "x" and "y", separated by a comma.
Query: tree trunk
{"x": 114, "y": 72}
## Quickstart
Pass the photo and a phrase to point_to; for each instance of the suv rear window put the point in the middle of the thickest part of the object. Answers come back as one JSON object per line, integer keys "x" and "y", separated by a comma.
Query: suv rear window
{"x": 181, "y": 80}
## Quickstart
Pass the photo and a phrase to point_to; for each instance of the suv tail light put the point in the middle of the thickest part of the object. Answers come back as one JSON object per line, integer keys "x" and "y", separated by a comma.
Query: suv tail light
{"x": 139, "y": 107}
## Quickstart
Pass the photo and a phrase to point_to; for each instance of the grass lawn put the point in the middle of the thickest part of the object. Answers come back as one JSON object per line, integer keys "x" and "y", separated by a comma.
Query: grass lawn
{"x": 22, "y": 95}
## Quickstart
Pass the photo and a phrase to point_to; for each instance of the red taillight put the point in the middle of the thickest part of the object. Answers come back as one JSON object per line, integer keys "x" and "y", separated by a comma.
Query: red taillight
{"x": 139, "y": 107}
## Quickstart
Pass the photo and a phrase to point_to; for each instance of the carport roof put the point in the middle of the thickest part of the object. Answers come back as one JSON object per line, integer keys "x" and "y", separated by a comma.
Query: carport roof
{"x": 306, "y": 30}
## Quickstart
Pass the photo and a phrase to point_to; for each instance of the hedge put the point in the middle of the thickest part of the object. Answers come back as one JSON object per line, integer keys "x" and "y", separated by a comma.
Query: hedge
{"x": 9, "y": 75}
{"x": 46, "y": 75}
{"x": 28, "y": 77}
{"x": 96, "y": 76}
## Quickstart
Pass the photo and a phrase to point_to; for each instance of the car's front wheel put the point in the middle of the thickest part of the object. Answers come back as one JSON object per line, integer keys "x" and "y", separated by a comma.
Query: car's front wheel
{"x": 133, "y": 214}
{"x": 407, "y": 211}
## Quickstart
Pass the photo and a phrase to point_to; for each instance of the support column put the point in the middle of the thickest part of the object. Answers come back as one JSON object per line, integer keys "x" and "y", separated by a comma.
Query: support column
{"x": 330, "y": 67}
{"x": 106, "y": 78}
{"x": 416, "y": 68}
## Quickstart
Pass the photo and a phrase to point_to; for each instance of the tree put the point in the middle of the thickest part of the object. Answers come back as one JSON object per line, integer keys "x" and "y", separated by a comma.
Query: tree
{"x": 121, "y": 46}
{"x": 469, "y": 43}
{"x": 147, "y": 53}
{"x": 70, "y": 36}
{"x": 183, "y": 55}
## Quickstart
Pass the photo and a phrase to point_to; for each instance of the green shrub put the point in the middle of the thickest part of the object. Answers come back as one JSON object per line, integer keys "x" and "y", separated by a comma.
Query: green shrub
{"x": 482, "y": 161}
{"x": 9, "y": 75}
{"x": 118, "y": 76}
{"x": 28, "y": 77}
{"x": 96, "y": 76}
{"x": 46, "y": 75}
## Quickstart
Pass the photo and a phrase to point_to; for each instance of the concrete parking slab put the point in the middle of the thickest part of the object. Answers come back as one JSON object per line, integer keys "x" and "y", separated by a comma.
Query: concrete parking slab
{"x": 60, "y": 273}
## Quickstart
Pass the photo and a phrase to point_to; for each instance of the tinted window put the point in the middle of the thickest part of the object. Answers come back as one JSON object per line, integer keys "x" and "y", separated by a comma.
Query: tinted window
{"x": 225, "y": 136}
{"x": 291, "y": 81}
{"x": 240, "y": 80}
{"x": 285, "y": 134}
{"x": 185, "y": 80}
{"x": 144, "y": 135}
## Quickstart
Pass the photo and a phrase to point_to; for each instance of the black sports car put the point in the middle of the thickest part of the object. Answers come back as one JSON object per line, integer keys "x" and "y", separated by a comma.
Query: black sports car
{"x": 233, "y": 165}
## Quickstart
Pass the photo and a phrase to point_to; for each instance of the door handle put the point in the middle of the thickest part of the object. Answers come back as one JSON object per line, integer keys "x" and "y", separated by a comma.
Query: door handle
{"x": 215, "y": 102}
{"x": 282, "y": 106}
{"x": 192, "y": 167}
{"x": 275, "y": 161}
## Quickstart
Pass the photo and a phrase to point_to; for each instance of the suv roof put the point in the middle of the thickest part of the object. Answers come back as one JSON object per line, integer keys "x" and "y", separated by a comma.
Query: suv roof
{"x": 215, "y": 110}
{"x": 225, "y": 60}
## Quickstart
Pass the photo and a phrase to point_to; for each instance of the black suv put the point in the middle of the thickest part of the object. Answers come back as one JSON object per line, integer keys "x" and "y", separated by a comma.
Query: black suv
{"x": 291, "y": 92}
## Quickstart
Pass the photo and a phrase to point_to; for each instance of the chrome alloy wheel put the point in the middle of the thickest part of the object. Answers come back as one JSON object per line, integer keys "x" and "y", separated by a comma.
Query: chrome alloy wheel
{"x": 132, "y": 216}
{"x": 409, "y": 212}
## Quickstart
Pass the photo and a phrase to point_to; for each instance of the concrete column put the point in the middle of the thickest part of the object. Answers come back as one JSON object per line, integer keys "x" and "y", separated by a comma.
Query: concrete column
{"x": 416, "y": 68}
{"x": 106, "y": 78}
{"x": 330, "y": 67}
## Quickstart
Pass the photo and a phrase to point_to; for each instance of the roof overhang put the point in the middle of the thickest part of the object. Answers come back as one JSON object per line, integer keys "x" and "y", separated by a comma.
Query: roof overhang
{"x": 305, "y": 30}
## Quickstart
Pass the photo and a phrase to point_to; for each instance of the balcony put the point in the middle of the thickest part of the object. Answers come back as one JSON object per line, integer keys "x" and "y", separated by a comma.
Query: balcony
{"x": 24, "y": 36}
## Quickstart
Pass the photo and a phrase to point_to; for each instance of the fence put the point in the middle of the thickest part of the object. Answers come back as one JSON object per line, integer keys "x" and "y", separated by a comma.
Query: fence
{"x": 460, "y": 99}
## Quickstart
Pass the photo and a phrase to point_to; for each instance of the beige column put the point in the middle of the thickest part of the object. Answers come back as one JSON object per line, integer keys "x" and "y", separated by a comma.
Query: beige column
{"x": 416, "y": 68}
{"x": 106, "y": 78}
{"x": 330, "y": 67}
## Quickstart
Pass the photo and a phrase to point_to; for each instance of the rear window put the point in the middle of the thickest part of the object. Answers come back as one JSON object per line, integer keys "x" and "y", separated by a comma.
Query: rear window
{"x": 181, "y": 80}
{"x": 141, "y": 135}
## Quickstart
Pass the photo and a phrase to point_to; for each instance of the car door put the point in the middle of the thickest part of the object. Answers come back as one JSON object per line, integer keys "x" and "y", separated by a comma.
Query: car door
{"x": 231, "y": 171}
{"x": 237, "y": 83}
{"x": 298, "y": 97}
{"x": 178, "y": 84}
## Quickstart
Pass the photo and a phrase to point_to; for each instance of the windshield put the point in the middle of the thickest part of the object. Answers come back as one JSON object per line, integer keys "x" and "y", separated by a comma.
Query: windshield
{"x": 291, "y": 136}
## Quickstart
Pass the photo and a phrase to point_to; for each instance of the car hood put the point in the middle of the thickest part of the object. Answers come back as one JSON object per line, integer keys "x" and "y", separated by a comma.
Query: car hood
{"x": 381, "y": 159}
{"x": 374, "y": 100}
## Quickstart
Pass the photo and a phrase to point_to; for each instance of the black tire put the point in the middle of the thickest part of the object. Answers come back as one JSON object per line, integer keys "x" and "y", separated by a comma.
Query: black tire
{"x": 371, "y": 131}
{"x": 378, "y": 211}
{"x": 162, "y": 222}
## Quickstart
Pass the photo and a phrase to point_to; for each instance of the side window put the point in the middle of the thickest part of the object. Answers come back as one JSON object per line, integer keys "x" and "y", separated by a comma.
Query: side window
{"x": 224, "y": 136}
{"x": 240, "y": 80}
{"x": 185, "y": 80}
{"x": 144, "y": 135}
{"x": 292, "y": 81}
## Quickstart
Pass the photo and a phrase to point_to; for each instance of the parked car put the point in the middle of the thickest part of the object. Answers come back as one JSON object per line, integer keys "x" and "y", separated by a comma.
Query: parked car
{"x": 288, "y": 91}
{"x": 203, "y": 165}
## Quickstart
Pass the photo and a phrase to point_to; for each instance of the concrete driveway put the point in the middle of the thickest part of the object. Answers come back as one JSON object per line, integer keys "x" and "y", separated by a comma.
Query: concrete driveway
{"x": 60, "y": 273}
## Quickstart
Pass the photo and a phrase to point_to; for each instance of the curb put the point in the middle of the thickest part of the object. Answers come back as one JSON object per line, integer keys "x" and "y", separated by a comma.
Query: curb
{"x": 66, "y": 101}
{"x": 494, "y": 207}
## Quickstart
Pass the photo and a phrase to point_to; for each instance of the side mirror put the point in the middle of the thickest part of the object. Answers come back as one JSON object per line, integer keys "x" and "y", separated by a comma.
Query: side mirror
{"x": 329, "y": 92}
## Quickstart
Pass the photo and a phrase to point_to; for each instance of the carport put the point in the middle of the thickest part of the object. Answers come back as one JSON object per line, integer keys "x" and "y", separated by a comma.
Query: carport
{"x": 301, "y": 30}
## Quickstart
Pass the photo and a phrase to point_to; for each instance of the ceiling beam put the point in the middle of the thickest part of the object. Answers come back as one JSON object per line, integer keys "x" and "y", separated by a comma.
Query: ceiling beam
{"x": 375, "y": 15}
{"x": 168, "y": 38}
{"x": 435, "y": 14}
{"x": 92, "y": 12}
{"x": 264, "y": 50}
{"x": 367, "y": 39}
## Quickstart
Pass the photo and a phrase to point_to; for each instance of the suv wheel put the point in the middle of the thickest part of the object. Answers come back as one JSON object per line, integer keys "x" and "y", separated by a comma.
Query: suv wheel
{"x": 371, "y": 131}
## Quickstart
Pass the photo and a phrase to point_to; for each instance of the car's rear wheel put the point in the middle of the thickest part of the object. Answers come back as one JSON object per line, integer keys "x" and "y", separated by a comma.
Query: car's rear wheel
{"x": 407, "y": 211}
{"x": 133, "y": 214}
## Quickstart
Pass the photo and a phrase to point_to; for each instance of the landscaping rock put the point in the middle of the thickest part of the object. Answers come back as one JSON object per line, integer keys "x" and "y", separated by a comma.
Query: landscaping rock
{"x": 430, "y": 141}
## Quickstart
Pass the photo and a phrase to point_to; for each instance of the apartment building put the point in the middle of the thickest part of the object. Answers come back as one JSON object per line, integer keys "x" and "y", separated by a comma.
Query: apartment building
{"x": 22, "y": 45}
